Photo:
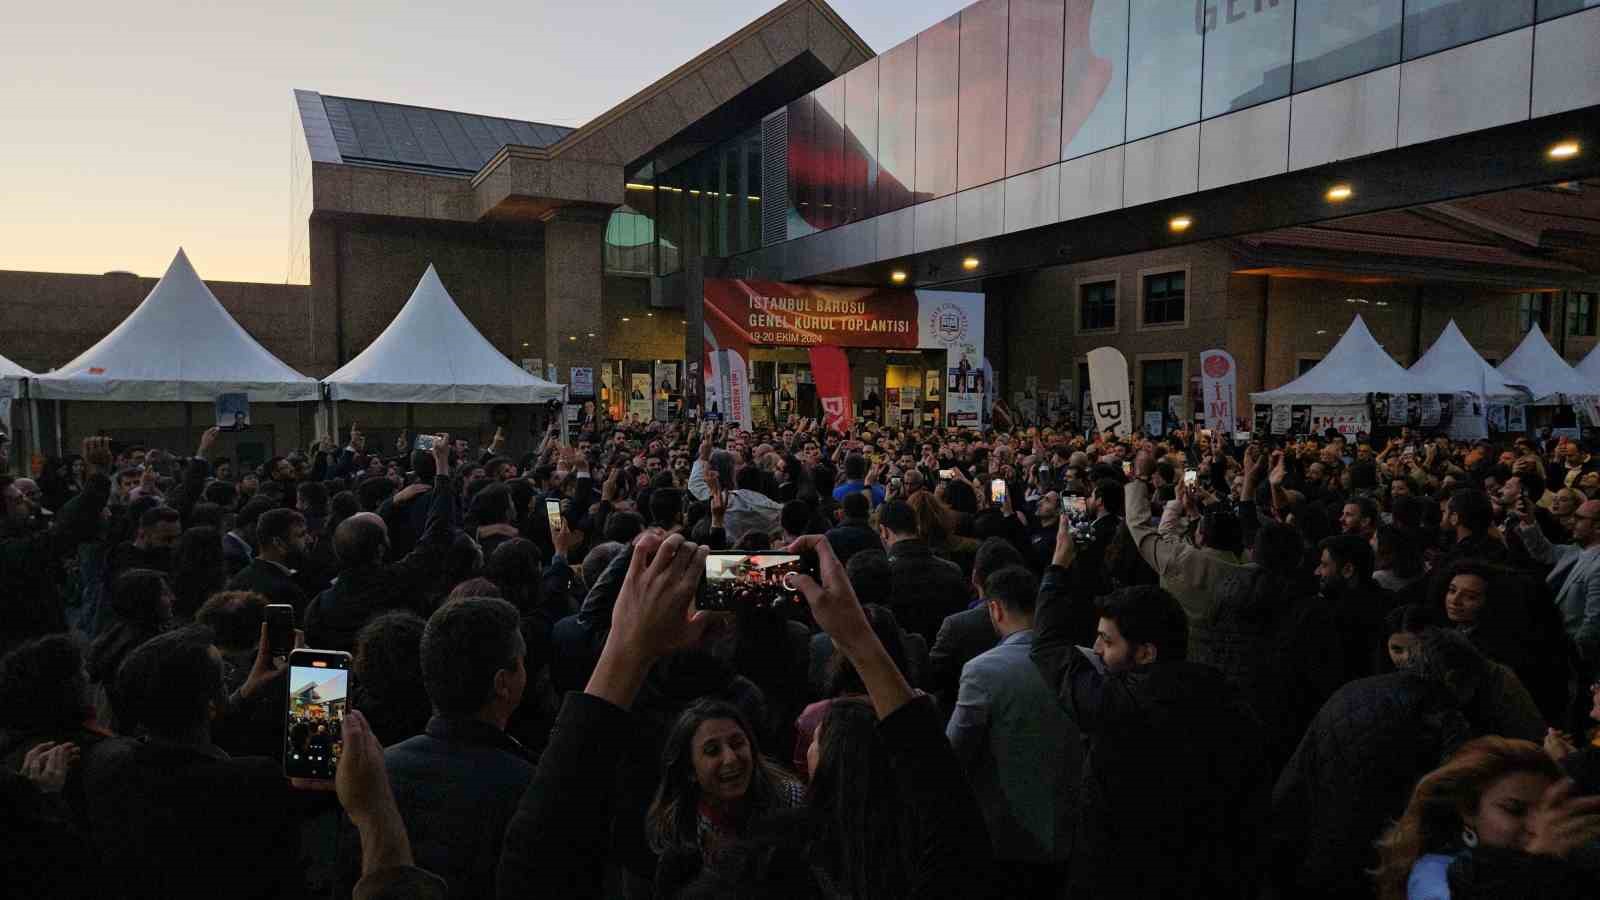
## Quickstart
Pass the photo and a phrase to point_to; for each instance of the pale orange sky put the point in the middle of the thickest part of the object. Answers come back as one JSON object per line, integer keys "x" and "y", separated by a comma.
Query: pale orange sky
{"x": 129, "y": 129}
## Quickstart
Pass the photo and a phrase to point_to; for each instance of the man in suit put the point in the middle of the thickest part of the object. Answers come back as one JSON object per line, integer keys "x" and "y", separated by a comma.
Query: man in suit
{"x": 1021, "y": 752}
{"x": 854, "y": 532}
{"x": 281, "y": 542}
{"x": 966, "y": 634}
{"x": 238, "y": 545}
{"x": 1576, "y": 574}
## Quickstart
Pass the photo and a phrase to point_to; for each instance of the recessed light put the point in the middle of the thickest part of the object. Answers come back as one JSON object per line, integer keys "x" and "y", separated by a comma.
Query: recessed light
{"x": 1339, "y": 192}
{"x": 1180, "y": 223}
{"x": 572, "y": 337}
{"x": 1354, "y": 300}
{"x": 1565, "y": 150}
{"x": 626, "y": 319}
{"x": 1322, "y": 331}
{"x": 897, "y": 276}
{"x": 969, "y": 263}
{"x": 649, "y": 315}
{"x": 524, "y": 343}
{"x": 591, "y": 334}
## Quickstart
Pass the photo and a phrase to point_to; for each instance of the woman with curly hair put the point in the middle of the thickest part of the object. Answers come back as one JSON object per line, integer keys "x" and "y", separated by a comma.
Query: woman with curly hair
{"x": 714, "y": 782}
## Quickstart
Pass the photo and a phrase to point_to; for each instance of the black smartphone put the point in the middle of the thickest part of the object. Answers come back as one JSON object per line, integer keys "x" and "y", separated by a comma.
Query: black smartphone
{"x": 313, "y": 724}
{"x": 280, "y": 628}
{"x": 739, "y": 580}
{"x": 424, "y": 442}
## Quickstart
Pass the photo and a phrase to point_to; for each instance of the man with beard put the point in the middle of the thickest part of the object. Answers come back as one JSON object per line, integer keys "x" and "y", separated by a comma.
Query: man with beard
{"x": 1357, "y": 605}
{"x": 151, "y": 547}
{"x": 280, "y": 546}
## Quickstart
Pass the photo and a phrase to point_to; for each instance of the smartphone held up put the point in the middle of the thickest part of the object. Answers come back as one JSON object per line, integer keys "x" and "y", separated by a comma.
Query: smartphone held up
{"x": 313, "y": 727}
{"x": 737, "y": 580}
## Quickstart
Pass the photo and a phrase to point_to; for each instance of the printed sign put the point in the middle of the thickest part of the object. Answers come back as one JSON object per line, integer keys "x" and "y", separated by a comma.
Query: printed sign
{"x": 1218, "y": 386}
{"x": 1108, "y": 383}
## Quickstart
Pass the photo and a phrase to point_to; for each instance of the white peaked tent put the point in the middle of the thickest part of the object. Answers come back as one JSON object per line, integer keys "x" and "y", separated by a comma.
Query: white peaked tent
{"x": 1452, "y": 363}
{"x": 178, "y": 345}
{"x": 11, "y": 376}
{"x": 1589, "y": 369}
{"x": 1536, "y": 364}
{"x": 430, "y": 353}
{"x": 1354, "y": 368}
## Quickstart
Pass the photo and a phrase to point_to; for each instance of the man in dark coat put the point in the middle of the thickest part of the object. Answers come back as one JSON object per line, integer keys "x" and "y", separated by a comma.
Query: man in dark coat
{"x": 1146, "y": 711}
{"x": 281, "y": 541}
{"x": 926, "y": 587}
{"x": 1358, "y": 761}
{"x": 458, "y": 784}
{"x": 170, "y": 810}
{"x": 969, "y": 633}
{"x": 1355, "y": 602}
{"x": 367, "y": 586}
{"x": 854, "y": 533}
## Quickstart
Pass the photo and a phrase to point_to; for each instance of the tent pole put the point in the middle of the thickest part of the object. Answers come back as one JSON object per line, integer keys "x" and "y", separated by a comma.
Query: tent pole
{"x": 33, "y": 427}
{"x": 333, "y": 417}
{"x": 59, "y": 451}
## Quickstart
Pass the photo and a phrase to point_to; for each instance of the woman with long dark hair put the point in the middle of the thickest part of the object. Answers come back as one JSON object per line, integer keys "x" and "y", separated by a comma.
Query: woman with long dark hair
{"x": 199, "y": 570}
{"x": 714, "y": 782}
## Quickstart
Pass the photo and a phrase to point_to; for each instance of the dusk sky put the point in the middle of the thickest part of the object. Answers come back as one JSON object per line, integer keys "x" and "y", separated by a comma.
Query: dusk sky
{"x": 130, "y": 129}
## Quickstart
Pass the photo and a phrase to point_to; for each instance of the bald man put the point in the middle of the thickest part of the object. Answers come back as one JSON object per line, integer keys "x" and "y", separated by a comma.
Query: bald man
{"x": 1576, "y": 574}
{"x": 368, "y": 584}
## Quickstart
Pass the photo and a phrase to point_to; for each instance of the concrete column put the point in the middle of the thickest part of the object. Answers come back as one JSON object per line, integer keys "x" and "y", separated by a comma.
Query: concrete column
{"x": 574, "y": 285}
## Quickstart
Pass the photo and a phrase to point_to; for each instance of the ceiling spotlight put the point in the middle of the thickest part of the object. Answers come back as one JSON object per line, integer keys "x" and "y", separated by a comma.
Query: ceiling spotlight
{"x": 572, "y": 337}
{"x": 1339, "y": 192}
{"x": 1180, "y": 224}
{"x": 897, "y": 276}
{"x": 649, "y": 315}
{"x": 1565, "y": 150}
{"x": 1355, "y": 300}
{"x": 626, "y": 319}
{"x": 591, "y": 334}
{"x": 1322, "y": 331}
{"x": 524, "y": 343}
{"x": 969, "y": 263}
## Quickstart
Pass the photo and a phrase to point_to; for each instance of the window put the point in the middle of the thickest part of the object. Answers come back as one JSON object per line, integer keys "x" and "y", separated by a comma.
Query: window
{"x": 1158, "y": 380}
{"x": 1247, "y": 54}
{"x": 1097, "y": 306}
{"x": 1163, "y": 298}
{"x": 1533, "y": 309}
{"x": 1580, "y": 314}
{"x": 1335, "y": 39}
{"x": 1164, "y": 58}
{"x": 1094, "y": 74}
{"x": 1434, "y": 25}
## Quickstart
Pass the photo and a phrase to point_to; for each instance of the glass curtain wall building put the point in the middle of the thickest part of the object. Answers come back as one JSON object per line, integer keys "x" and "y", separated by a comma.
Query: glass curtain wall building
{"x": 1010, "y": 86}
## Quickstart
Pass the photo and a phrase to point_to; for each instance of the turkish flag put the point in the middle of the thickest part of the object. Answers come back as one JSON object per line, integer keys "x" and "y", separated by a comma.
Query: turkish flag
{"x": 831, "y": 370}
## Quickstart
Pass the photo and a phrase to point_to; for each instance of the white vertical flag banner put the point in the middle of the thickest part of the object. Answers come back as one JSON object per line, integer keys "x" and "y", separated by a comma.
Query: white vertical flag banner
{"x": 1108, "y": 390}
{"x": 1219, "y": 382}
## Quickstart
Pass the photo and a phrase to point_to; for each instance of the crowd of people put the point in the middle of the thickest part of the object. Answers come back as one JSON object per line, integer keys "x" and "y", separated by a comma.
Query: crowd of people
{"x": 1024, "y": 663}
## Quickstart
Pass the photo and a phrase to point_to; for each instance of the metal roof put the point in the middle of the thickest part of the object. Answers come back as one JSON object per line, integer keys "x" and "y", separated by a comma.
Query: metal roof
{"x": 398, "y": 135}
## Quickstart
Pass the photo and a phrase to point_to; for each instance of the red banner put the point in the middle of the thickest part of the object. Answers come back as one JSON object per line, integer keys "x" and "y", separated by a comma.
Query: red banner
{"x": 831, "y": 371}
{"x": 774, "y": 313}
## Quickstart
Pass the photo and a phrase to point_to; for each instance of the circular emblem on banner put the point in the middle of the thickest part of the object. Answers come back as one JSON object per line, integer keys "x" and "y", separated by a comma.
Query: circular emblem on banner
{"x": 1216, "y": 366}
{"x": 947, "y": 323}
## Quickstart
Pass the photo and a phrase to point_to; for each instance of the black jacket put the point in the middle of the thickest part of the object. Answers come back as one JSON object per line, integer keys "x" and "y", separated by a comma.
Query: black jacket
{"x": 926, "y": 588}
{"x": 334, "y": 617}
{"x": 168, "y": 818}
{"x": 457, "y": 787}
{"x": 1174, "y": 783}
{"x": 1352, "y": 775}
{"x": 1273, "y": 640}
{"x": 851, "y": 536}
{"x": 273, "y": 582}
{"x": 962, "y": 637}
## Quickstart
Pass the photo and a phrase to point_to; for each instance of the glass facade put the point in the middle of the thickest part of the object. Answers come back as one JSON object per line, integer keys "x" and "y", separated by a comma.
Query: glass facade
{"x": 1434, "y": 25}
{"x": 709, "y": 205}
{"x": 1007, "y": 87}
{"x": 1549, "y": 9}
{"x": 1247, "y": 58}
{"x": 1164, "y": 58}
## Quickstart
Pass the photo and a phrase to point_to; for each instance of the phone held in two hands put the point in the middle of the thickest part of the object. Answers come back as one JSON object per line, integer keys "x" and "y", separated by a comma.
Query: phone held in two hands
{"x": 313, "y": 725}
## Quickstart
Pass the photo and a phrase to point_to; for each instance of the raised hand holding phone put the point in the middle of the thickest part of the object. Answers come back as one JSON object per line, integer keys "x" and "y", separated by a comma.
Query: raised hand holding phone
{"x": 653, "y": 615}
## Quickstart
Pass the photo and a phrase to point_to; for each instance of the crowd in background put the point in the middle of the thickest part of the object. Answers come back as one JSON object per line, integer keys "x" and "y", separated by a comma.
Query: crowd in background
{"x": 1026, "y": 663}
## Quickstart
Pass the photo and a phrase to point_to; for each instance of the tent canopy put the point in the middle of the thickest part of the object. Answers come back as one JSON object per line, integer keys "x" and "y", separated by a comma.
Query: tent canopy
{"x": 11, "y": 375}
{"x": 1536, "y": 364}
{"x": 1452, "y": 363}
{"x": 430, "y": 353}
{"x": 178, "y": 345}
{"x": 1589, "y": 369}
{"x": 1355, "y": 367}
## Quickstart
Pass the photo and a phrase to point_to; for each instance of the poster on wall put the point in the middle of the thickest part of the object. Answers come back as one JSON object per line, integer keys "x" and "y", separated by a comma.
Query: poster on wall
{"x": 892, "y": 398}
{"x": 666, "y": 392}
{"x": 788, "y": 388}
{"x": 639, "y": 396}
{"x": 582, "y": 382}
{"x": 691, "y": 389}
{"x": 1516, "y": 418}
{"x": 909, "y": 398}
{"x": 533, "y": 366}
{"x": 1175, "y": 410}
{"x": 1152, "y": 423}
{"x": 963, "y": 404}
{"x": 931, "y": 380}
{"x": 1281, "y": 420}
{"x": 551, "y": 375}
{"x": 1218, "y": 388}
{"x": 1349, "y": 420}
